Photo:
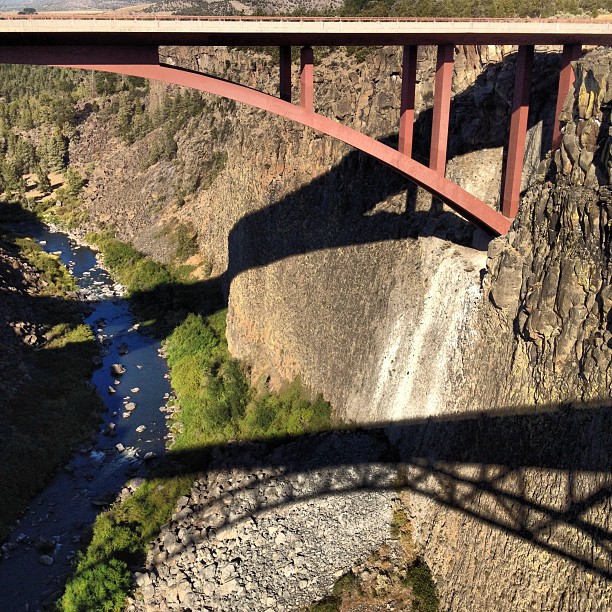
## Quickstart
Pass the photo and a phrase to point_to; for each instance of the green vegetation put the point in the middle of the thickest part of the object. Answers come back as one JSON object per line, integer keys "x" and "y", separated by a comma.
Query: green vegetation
{"x": 424, "y": 592}
{"x": 58, "y": 279}
{"x": 216, "y": 400}
{"x": 102, "y": 579}
{"x": 57, "y": 407}
{"x": 157, "y": 291}
{"x": 421, "y": 8}
{"x": 185, "y": 241}
{"x": 468, "y": 8}
{"x": 332, "y": 603}
{"x": 135, "y": 118}
{"x": 217, "y": 404}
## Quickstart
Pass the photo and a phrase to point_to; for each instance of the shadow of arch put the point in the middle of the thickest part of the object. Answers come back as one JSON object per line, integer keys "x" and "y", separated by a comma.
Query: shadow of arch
{"x": 487, "y": 466}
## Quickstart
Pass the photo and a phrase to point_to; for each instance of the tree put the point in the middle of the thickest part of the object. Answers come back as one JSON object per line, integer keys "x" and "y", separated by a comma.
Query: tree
{"x": 10, "y": 178}
{"x": 106, "y": 82}
{"x": 44, "y": 184}
{"x": 56, "y": 150}
{"x": 74, "y": 181}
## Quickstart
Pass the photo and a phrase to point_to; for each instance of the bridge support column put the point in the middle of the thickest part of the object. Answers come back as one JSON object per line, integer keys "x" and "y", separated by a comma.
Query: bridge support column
{"x": 566, "y": 80}
{"x": 306, "y": 79}
{"x": 441, "y": 109}
{"x": 285, "y": 73}
{"x": 518, "y": 131}
{"x": 406, "y": 126}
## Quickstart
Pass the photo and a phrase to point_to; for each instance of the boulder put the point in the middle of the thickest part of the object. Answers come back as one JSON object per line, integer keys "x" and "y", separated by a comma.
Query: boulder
{"x": 46, "y": 560}
{"x": 117, "y": 369}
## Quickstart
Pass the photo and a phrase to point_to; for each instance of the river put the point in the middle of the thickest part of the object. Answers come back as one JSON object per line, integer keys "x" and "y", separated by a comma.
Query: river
{"x": 63, "y": 513}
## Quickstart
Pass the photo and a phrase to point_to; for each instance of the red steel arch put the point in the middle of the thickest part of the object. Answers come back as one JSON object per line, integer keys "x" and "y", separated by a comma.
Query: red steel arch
{"x": 144, "y": 62}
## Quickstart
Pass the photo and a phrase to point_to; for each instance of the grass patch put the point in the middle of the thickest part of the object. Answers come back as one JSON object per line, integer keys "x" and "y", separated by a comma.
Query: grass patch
{"x": 419, "y": 578}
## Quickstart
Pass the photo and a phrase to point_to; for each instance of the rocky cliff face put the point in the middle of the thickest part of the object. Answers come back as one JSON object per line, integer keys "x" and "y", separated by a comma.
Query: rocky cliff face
{"x": 516, "y": 501}
{"x": 337, "y": 270}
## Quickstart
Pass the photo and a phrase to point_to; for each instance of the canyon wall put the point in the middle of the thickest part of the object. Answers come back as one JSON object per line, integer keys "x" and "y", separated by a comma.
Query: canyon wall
{"x": 337, "y": 270}
{"x": 511, "y": 479}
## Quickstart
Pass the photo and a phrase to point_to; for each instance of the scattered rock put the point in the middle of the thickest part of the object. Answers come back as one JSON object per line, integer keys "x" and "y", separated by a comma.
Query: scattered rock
{"x": 269, "y": 538}
{"x": 117, "y": 369}
{"x": 45, "y": 560}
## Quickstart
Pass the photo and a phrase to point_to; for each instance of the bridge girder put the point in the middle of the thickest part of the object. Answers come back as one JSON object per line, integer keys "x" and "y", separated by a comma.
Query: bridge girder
{"x": 141, "y": 61}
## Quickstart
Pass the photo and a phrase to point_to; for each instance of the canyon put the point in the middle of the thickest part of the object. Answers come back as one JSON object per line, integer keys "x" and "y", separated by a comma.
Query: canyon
{"x": 485, "y": 364}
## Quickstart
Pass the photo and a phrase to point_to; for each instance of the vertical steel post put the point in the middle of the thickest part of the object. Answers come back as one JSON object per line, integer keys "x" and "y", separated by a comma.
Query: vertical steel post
{"x": 441, "y": 109}
{"x": 306, "y": 79}
{"x": 518, "y": 131}
{"x": 285, "y": 73}
{"x": 406, "y": 126}
{"x": 566, "y": 80}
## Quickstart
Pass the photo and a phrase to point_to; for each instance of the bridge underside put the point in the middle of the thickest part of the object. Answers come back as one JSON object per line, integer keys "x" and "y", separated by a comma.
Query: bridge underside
{"x": 144, "y": 62}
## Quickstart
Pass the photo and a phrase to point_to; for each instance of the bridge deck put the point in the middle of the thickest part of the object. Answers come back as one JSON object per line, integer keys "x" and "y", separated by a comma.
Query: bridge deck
{"x": 168, "y": 30}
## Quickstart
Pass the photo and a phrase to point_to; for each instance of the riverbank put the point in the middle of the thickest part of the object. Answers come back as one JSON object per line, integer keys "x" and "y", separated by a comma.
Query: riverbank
{"x": 50, "y": 405}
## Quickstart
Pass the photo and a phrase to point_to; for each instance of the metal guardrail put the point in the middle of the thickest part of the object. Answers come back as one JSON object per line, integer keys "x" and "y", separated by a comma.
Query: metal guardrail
{"x": 277, "y": 18}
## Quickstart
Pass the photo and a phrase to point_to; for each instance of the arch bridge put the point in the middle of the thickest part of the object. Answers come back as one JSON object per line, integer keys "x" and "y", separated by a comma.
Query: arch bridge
{"x": 130, "y": 46}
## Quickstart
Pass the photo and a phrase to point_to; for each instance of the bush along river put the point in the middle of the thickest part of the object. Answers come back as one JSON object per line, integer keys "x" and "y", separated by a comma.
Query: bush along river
{"x": 132, "y": 379}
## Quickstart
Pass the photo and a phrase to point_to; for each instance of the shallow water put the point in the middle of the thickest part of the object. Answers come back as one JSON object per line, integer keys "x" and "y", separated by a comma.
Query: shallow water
{"x": 64, "y": 509}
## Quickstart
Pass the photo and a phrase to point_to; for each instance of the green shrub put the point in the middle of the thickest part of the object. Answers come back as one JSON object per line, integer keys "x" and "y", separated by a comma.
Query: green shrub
{"x": 424, "y": 591}
{"x": 146, "y": 275}
{"x": 289, "y": 412}
{"x": 102, "y": 587}
{"x": 53, "y": 271}
{"x": 185, "y": 241}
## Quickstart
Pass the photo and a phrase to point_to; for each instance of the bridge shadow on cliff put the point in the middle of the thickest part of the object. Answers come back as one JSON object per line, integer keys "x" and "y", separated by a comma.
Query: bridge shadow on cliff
{"x": 342, "y": 207}
{"x": 540, "y": 474}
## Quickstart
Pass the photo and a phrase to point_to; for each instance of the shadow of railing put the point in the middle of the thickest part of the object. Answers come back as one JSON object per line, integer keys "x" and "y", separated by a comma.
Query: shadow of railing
{"x": 540, "y": 474}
